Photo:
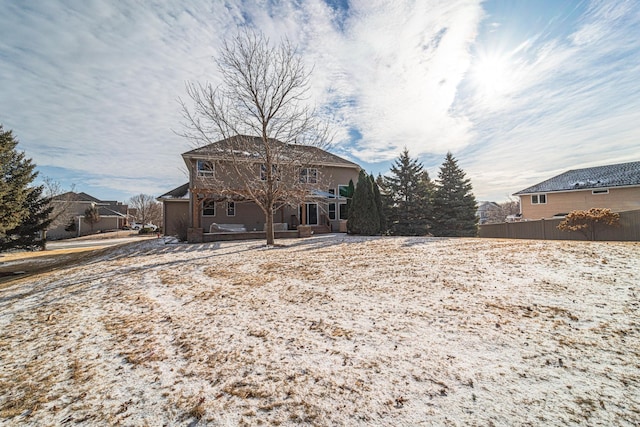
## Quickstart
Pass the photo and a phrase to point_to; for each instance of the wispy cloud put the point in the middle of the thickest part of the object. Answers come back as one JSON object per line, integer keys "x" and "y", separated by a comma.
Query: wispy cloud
{"x": 570, "y": 101}
{"x": 92, "y": 87}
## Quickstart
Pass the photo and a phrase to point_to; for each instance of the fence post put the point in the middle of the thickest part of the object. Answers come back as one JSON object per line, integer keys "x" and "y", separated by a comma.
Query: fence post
{"x": 544, "y": 231}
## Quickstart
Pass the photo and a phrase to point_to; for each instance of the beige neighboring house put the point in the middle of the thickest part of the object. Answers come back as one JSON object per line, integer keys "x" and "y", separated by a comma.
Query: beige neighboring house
{"x": 197, "y": 205}
{"x": 616, "y": 187}
{"x": 71, "y": 223}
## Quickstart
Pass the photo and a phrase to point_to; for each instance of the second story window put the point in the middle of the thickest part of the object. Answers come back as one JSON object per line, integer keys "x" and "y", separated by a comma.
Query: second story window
{"x": 263, "y": 172}
{"x": 231, "y": 208}
{"x": 538, "y": 199}
{"x": 309, "y": 175}
{"x": 205, "y": 168}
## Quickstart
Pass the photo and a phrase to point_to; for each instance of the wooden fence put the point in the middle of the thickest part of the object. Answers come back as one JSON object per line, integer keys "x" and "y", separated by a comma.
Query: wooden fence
{"x": 547, "y": 229}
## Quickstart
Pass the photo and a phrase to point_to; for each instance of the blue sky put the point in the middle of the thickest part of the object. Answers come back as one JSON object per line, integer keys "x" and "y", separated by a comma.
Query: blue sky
{"x": 518, "y": 91}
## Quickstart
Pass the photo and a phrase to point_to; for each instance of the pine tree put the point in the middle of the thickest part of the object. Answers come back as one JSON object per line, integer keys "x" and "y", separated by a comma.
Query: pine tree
{"x": 377, "y": 198}
{"x": 363, "y": 213}
{"x": 30, "y": 234}
{"x": 406, "y": 199}
{"x": 454, "y": 205}
{"x": 24, "y": 211}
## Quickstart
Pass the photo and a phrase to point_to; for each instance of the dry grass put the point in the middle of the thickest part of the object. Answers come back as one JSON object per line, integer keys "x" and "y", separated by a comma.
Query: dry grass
{"x": 342, "y": 331}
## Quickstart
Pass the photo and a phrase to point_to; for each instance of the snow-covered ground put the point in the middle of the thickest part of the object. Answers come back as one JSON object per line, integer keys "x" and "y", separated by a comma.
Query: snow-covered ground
{"x": 330, "y": 330}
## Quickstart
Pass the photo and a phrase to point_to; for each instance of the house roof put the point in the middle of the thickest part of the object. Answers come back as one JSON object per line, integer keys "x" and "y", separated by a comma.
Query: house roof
{"x": 105, "y": 211}
{"x": 76, "y": 197}
{"x": 297, "y": 150}
{"x": 181, "y": 192}
{"x": 485, "y": 205}
{"x": 619, "y": 175}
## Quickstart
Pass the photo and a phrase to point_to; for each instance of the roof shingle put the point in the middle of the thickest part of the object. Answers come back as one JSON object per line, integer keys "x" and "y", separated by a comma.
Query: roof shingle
{"x": 221, "y": 147}
{"x": 618, "y": 175}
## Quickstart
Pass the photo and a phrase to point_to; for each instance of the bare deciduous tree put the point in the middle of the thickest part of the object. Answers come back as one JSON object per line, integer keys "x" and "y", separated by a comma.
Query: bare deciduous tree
{"x": 61, "y": 201}
{"x": 261, "y": 112}
{"x": 500, "y": 213}
{"x": 92, "y": 216}
{"x": 148, "y": 210}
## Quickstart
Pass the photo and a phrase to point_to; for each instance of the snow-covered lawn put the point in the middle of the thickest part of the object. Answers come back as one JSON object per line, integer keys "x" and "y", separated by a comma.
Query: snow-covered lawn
{"x": 330, "y": 330}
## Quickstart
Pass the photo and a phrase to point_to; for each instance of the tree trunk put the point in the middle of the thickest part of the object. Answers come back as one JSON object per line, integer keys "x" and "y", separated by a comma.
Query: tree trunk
{"x": 269, "y": 227}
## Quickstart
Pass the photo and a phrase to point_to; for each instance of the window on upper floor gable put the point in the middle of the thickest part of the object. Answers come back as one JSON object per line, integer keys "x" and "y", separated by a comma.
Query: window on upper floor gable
{"x": 205, "y": 168}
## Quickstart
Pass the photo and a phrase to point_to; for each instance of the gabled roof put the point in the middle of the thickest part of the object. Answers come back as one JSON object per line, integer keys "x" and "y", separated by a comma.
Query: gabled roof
{"x": 221, "y": 147}
{"x": 484, "y": 205}
{"x": 619, "y": 175}
{"x": 76, "y": 197}
{"x": 181, "y": 192}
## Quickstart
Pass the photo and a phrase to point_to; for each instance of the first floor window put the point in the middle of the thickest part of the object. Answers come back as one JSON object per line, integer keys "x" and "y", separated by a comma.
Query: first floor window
{"x": 209, "y": 208}
{"x": 231, "y": 208}
{"x": 538, "y": 199}
{"x": 205, "y": 168}
{"x": 332, "y": 211}
{"x": 311, "y": 213}
{"x": 342, "y": 211}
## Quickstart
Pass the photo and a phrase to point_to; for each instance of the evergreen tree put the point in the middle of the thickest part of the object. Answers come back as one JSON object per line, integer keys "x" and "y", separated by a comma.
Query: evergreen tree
{"x": 347, "y": 193}
{"x": 30, "y": 234}
{"x": 377, "y": 198}
{"x": 454, "y": 205}
{"x": 407, "y": 193}
{"x": 363, "y": 213}
{"x": 23, "y": 209}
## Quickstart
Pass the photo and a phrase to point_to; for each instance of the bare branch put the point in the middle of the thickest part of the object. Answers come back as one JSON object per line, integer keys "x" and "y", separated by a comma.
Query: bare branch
{"x": 264, "y": 128}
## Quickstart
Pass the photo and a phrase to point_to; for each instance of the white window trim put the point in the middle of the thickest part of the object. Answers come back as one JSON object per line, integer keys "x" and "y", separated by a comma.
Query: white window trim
{"x": 205, "y": 172}
{"x": 537, "y": 196}
{"x": 346, "y": 187}
{"x": 307, "y": 176}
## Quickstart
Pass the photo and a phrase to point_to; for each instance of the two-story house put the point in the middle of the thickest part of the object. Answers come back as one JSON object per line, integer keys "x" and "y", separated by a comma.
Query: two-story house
{"x": 616, "y": 187}
{"x": 226, "y": 176}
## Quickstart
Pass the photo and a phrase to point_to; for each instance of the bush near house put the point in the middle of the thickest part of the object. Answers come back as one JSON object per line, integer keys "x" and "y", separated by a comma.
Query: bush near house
{"x": 590, "y": 222}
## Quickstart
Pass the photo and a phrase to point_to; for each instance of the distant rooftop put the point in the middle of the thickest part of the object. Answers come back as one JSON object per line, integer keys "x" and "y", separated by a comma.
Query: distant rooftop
{"x": 181, "y": 192}
{"x": 619, "y": 175}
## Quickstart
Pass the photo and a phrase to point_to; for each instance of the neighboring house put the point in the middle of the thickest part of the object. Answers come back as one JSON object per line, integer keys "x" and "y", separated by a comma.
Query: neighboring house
{"x": 198, "y": 206}
{"x": 616, "y": 187}
{"x": 113, "y": 215}
{"x": 483, "y": 211}
{"x": 175, "y": 211}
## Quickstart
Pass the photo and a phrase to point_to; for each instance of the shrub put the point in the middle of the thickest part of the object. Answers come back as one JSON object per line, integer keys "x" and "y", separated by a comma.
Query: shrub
{"x": 590, "y": 222}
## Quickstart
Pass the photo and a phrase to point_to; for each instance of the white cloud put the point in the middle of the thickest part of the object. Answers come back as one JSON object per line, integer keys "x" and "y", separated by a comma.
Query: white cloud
{"x": 571, "y": 102}
{"x": 92, "y": 87}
